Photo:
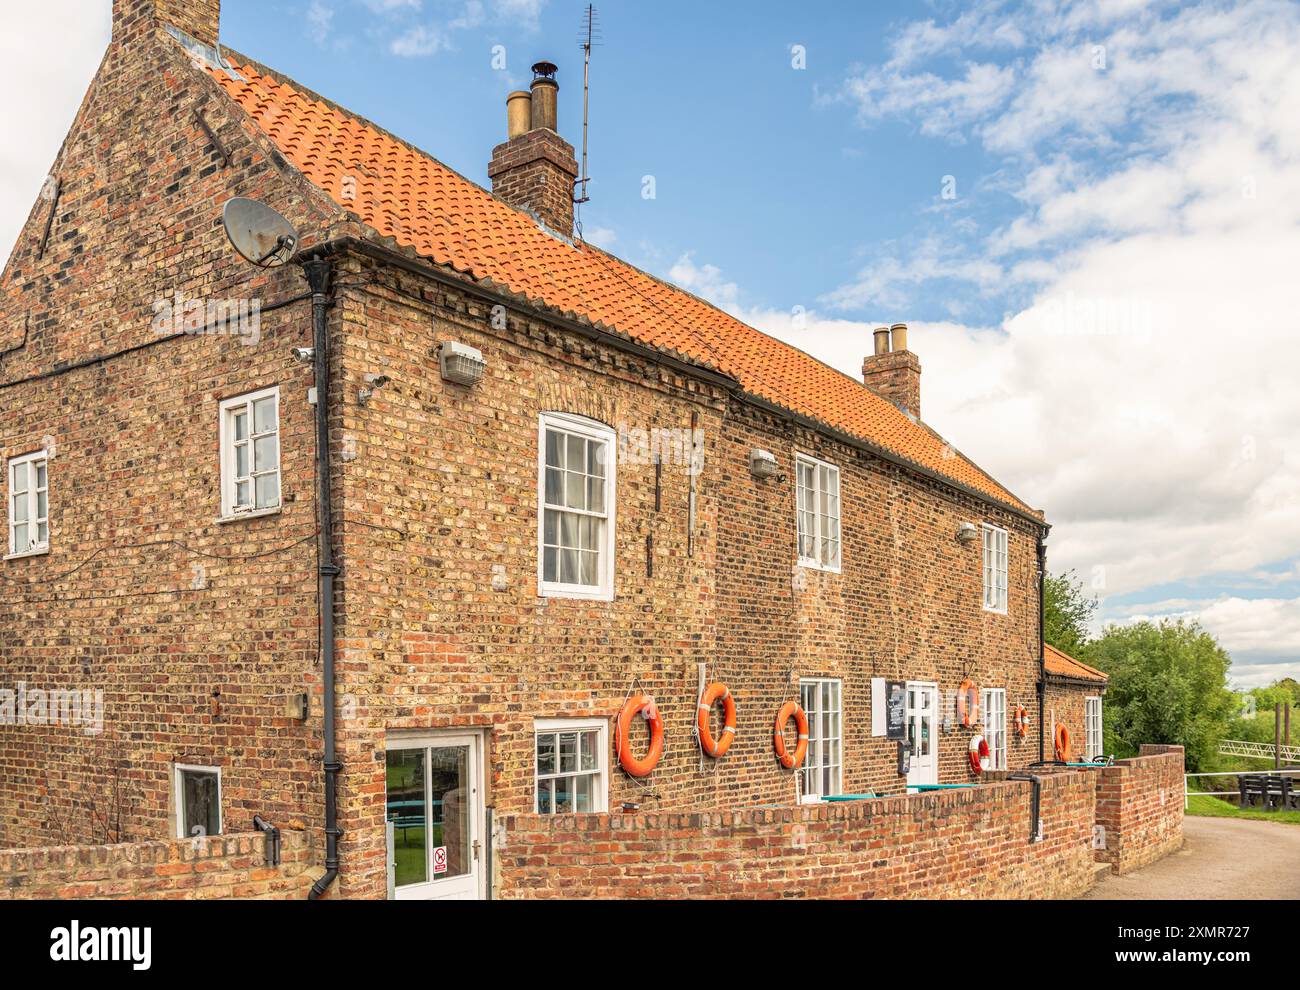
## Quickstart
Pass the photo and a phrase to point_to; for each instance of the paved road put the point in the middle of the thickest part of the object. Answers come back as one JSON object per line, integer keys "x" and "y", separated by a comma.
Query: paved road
{"x": 1222, "y": 858}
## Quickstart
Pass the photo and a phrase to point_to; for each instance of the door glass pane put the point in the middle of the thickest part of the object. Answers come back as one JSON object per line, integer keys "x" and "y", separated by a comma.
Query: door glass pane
{"x": 449, "y": 802}
{"x": 406, "y": 810}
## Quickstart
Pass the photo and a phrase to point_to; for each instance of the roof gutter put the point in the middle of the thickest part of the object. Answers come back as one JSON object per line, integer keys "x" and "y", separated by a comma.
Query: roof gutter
{"x": 397, "y": 259}
{"x": 849, "y": 440}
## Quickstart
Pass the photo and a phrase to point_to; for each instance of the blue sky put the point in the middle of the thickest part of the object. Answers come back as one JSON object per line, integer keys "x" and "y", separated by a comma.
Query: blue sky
{"x": 1088, "y": 212}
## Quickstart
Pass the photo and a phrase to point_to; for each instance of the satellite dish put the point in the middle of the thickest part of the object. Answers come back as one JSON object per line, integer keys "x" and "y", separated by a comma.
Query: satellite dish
{"x": 259, "y": 233}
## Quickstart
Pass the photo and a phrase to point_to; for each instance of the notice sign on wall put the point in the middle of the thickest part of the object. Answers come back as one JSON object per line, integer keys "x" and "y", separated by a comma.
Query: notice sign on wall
{"x": 439, "y": 860}
{"x": 895, "y": 710}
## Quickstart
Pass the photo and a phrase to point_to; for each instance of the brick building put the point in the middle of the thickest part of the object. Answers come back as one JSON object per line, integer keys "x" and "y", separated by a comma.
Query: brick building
{"x": 637, "y": 495}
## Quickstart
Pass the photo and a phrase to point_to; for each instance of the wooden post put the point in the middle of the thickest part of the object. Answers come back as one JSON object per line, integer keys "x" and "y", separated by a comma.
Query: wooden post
{"x": 1277, "y": 736}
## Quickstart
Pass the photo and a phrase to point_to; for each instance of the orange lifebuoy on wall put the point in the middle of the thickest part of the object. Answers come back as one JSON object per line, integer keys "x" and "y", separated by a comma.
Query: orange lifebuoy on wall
{"x": 968, "y": 703}
{"x": 791, "y": 710}
{"x": 640, "y": 705}
{"x": 1022, "y": 721}
{"x": 1062, "y": 745}
{"x": 712, "y": 695}
{"x": 980, "y": 758}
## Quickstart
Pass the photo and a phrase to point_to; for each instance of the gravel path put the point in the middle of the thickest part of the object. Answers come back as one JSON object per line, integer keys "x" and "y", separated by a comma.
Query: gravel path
{"x": 1222, "y": 858}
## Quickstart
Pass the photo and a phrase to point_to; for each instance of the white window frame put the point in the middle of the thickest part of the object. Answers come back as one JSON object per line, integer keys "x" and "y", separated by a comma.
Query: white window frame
{"x": 996, "y": 544}
{"x": 994, "y": 702}
{"x": 589, "y": 429}
{"x": 178, "y": 786}
{"x": 817, "y": 758}
{"x": 600, "y": 786}
{"x": 1094, "y": 744}
{"x": 807, "y": 460}
{"x": 34, "y": 547}
{"x": 228, "y": 479}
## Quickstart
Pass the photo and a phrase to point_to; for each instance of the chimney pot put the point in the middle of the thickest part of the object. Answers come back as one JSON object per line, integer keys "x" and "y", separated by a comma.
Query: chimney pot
{"x": 545, "y": 101}
{"x": 519, "y": 113}
{"x": 882, "y": 340}
{"x": 899, "y": 333}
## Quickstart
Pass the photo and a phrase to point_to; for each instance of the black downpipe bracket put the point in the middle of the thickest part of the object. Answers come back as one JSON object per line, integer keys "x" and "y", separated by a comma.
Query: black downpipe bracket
{"x": 318, "y": 272}
{"x": 1042, "y": 648}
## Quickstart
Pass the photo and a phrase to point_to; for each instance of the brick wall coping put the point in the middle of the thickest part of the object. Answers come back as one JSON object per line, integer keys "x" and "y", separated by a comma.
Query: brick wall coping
{"x": 145, "y": 853}
{"x": 899, "y": 804}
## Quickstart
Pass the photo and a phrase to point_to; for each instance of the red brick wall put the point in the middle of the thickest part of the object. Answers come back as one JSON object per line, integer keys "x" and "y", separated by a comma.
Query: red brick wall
{"x": 1140, "y": 805}
{"x": 907, "y": 605}
{"x": 195, "y": 632}
{"x": 1065, "y": 702}
{"x": 970, "y": 844}
{"x": 220, "y": 867}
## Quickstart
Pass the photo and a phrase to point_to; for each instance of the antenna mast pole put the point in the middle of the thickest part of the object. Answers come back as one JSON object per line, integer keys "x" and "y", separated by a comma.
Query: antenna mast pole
{"x": 586, "y": 96}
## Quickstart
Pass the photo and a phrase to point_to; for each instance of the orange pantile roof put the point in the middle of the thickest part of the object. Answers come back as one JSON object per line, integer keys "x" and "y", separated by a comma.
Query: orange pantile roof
{"x": 404, "y": 194}
{"x": 1063, "y": 665}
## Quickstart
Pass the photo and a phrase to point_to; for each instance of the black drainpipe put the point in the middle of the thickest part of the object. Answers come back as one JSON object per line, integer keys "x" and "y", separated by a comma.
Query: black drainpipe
{"x": 317, "y": 271}
{"x": 1042, "y": 649}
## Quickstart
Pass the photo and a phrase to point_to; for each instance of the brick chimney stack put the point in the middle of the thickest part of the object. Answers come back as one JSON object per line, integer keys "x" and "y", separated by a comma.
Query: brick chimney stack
{"x": 535, "y": 170}
{"x": 893, "y": 371}
{"x": 200, "y": 19}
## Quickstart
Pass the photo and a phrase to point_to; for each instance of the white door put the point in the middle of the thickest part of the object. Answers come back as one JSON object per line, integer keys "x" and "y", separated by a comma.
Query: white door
{"x": 436, "y": 817}
{"x": 922, "y": 732}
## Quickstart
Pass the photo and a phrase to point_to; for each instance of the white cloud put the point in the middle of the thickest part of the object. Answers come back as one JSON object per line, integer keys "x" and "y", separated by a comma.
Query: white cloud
{"x": 422, "y": 39}
{"x": 320, "y": 21}
{"x": 43, "y": 94}
{"x": 1162, "y": 193}
{"x": 431, "y": 37}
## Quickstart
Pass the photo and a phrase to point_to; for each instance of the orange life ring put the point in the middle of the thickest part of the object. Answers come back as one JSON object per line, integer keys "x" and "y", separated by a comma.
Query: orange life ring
{"x": 968, "y": 703}
{"x": 791, "y": 710}
{"x": 1062, "y": 744}
{"x": 639, "y": 705}
{"x": 1022, "y": 721}
{"x": 980, "y": 757}
{"x": 712, "y": 695}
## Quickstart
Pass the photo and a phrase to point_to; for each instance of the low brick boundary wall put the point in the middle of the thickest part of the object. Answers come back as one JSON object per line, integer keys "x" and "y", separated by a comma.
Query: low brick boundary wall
{"x": 1140, "y": 805}
{"x": 223, "y": 866}
{"x": 952, "y": 844}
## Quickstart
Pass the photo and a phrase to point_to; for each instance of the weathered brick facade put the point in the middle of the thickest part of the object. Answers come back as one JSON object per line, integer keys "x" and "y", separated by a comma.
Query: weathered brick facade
{"x": 198, "y": 632}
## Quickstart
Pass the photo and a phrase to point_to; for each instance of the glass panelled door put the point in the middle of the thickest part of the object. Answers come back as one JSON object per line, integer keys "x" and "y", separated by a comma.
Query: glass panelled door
{"x": 922, "y": 732}
{"x": 435, "y": 818}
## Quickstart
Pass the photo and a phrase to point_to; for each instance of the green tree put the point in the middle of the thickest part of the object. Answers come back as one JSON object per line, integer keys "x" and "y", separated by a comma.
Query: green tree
{"x": 1067, "y": 613}
{"x": 1168, "y": 684}
{"x": 1255, "y": 721}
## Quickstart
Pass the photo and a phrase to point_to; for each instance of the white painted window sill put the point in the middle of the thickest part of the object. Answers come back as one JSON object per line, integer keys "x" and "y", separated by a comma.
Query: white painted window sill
{"x": 241, "y": 516}
{"x": 28, "y": 553}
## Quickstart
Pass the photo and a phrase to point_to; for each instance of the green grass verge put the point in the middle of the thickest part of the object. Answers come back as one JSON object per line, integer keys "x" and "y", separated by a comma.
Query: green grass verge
{"x": 1212, "y": 807}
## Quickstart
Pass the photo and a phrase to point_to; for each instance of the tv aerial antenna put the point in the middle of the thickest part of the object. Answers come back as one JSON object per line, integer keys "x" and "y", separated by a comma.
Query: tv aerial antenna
{"x": 260, "y": 234}
{"x": 589, "y": 39}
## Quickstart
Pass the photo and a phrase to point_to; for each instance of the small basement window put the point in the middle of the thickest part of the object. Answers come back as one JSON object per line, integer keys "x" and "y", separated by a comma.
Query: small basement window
{"x": 571, "y": 766}
{"x": 29, "y": 509}
{"x": 250, "y": 453}
{"x": 995, "y": 569}
{"x": 198, "y": 801}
